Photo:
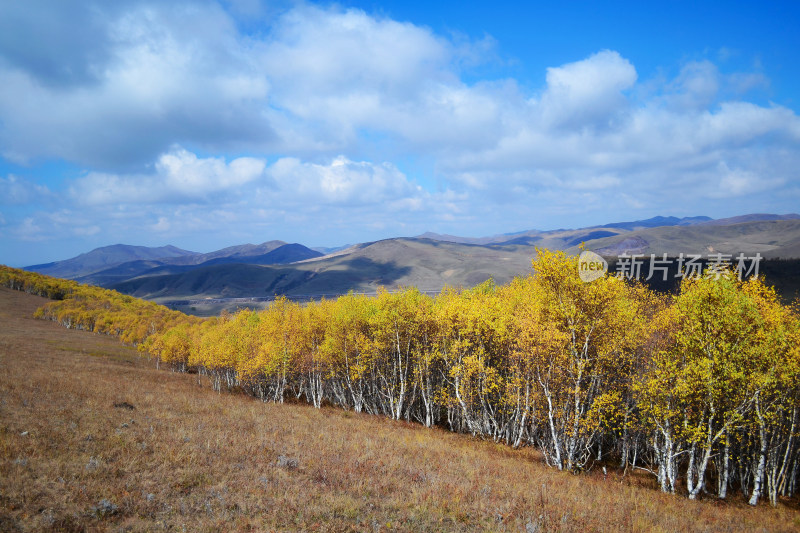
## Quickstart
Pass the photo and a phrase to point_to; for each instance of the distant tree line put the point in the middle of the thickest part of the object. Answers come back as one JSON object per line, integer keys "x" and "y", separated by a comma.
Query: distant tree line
{"x": 91, "y": 308}
{"x": 702, "y": 388}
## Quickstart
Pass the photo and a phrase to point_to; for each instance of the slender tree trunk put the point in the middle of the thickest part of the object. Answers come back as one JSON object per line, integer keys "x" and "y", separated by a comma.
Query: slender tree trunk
{"x": 723, "y": 482}
{"x": 553, "y": 434}
{"x": 787, "y": 454}
{"x": 573, "y": 440}
{"x": 758, "y": 481}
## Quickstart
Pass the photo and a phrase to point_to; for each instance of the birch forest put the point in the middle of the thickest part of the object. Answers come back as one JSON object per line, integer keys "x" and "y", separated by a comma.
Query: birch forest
{"x": 701, "y": 389}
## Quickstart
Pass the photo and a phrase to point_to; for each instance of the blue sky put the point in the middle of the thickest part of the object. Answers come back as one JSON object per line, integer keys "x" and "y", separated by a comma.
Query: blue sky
{"x": 206, "y": 124}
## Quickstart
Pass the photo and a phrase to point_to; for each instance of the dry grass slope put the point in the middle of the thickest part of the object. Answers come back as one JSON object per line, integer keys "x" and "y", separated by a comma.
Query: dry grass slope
{"x": 772, "y": 239}
{"x": 174, "y": 455}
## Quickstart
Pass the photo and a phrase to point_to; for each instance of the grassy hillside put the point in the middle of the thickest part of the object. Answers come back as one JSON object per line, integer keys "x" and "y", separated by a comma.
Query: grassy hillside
{"x": 772, "y": 239}
{"x": 106, "y": 257}
{"x": 286, "y": 253}
{"x": 119, "y": 262}
{"x": 94, "y": 438}
{"x": 429, "y": 265}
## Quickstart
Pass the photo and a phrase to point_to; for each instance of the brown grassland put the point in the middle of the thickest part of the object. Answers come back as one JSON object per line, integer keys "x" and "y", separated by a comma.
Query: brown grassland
{"x": 174, "y": 455}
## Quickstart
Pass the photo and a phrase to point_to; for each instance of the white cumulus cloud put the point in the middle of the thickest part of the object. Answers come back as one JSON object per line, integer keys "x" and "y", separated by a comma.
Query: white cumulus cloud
{"x": 179, "y": 176}
{"x": 587, "y": 92}
{"x": 341, "y": 181}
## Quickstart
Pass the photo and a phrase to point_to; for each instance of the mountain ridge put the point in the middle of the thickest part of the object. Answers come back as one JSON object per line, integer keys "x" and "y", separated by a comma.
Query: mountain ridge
{"x": 656, "y": 221}
{"x": 429, "y": 263}
{"x": 277, "y": 254}
{"x": 106, "y": 257}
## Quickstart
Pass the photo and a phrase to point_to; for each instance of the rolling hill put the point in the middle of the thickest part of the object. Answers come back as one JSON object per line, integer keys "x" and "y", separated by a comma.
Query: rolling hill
{"x": 771, "y": 238}
{"x": 114, "y": 264}
{"x": 559, "y": 238}
{"x": 426, "y": 264}
{"x": 107, "y": 257}
{"x": 276, "y": 268}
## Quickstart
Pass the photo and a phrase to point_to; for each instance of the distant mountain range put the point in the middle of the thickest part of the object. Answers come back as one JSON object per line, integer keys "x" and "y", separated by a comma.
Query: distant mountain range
{"x": 576, "y": 236}
{"x": 429, "y": 261}
{"x": 771, "y": 237}
{"x": 106, "y": 257}
{"x": 109, "y": 265}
